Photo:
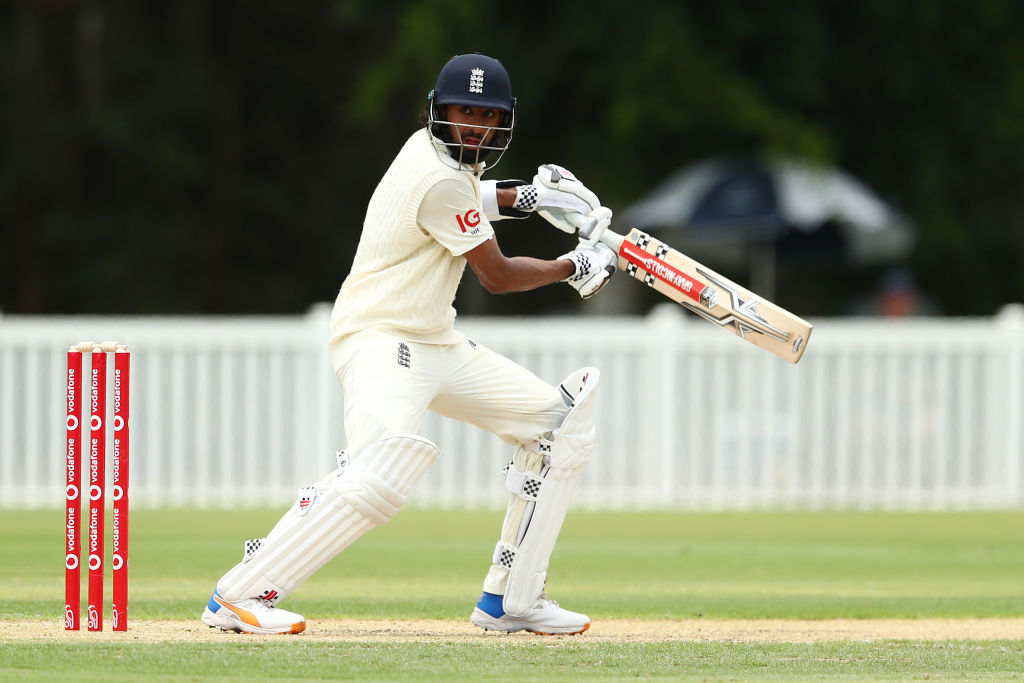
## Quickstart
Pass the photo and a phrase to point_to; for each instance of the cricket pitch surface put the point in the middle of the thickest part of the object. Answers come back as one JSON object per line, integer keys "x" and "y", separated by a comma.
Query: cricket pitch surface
{"x": 606, "y": 630}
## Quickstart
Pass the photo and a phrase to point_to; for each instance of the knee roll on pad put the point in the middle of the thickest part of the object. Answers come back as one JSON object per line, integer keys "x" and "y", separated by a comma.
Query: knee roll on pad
{"x": 371, "y": 495}
{"x": 541, "y": 483}
{"x": 329, "y": 516}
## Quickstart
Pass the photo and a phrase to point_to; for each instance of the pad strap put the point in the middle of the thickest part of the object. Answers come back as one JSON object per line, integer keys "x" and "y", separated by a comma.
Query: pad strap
{"x": 504, "y": 555}
{"x": 251, "y": 547}
{"x": 526, "y": 485}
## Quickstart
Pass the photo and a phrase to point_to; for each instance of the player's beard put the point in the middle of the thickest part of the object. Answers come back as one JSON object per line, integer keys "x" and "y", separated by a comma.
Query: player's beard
{"x": 471, "y": 153}
{"x": 454, "y": 136}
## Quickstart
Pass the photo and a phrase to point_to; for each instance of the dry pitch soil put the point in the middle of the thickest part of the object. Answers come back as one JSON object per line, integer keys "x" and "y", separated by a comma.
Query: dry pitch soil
{"x": 609, "y": 630}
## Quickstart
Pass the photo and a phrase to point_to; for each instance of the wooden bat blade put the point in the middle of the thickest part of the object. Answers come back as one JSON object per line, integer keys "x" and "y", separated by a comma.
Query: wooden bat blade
{"x": 710, "y": 295}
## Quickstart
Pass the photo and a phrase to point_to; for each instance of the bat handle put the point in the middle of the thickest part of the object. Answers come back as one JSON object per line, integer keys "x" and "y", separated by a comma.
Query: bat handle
{"x": 589, "y": 231}
{"x": 591, "y": 234}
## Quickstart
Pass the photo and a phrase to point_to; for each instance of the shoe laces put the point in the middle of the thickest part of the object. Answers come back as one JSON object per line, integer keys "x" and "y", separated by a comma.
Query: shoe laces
{"x": 545, "y": 599}
{"x": 254, "y": 605}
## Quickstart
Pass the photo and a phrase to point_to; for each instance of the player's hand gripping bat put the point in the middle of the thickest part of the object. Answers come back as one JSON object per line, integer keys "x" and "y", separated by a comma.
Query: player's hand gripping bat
{"x": 704, "y": 292}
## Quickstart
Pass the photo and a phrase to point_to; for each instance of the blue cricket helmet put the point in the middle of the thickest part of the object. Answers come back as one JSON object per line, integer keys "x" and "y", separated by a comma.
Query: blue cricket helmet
{"x": 473, "y": 80}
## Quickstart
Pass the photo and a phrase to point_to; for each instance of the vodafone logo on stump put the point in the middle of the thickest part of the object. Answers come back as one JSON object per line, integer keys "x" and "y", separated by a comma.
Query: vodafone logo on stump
{"x": 87, "y": 461}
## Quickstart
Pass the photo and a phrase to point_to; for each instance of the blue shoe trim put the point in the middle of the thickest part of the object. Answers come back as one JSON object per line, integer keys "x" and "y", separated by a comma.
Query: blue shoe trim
{"x": 213, "y": 605}
{"x": 491, "y": 603}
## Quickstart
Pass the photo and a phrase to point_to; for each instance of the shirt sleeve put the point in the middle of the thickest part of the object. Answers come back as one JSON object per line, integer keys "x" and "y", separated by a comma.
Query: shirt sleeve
{"x": 451, "y": 213}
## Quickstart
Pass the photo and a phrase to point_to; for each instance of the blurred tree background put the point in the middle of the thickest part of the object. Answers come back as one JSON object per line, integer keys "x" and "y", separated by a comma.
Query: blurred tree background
{"x": 217, "y": 156}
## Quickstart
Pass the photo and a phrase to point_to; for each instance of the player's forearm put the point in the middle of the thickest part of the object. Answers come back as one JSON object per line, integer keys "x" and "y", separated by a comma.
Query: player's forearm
{"x": 522, "y": 273}
{"x": 506, "y": 196}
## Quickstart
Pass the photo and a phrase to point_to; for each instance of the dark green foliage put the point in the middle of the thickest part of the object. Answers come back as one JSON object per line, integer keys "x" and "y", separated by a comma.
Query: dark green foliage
{"x": 217, "y": 156}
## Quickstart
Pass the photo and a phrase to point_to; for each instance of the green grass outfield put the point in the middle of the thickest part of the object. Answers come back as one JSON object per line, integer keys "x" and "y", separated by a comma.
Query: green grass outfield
{"x": 653, "y": 566}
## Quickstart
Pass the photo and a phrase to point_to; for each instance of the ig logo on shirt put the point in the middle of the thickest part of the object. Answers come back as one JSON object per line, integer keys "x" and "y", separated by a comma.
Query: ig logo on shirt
{"x": 468, "y": 221}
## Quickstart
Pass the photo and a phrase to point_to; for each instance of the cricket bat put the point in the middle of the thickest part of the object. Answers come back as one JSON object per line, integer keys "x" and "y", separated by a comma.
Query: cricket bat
{"x": 701, "y": 290}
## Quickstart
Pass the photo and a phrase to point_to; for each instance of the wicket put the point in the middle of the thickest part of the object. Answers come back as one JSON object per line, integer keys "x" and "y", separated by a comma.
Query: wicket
{"x": 97, "y": 444}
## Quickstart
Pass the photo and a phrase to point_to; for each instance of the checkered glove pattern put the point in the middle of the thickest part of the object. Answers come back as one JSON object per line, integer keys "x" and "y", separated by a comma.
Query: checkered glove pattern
{"x": 523, "y": 206}
{"x": 594, "y": 267}
{"x": 581, "y": 260}
{"x": 526, "y": 198}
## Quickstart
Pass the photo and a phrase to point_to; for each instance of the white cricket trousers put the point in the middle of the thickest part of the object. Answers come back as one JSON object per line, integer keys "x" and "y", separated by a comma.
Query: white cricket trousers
{"x": 389, "y": 384}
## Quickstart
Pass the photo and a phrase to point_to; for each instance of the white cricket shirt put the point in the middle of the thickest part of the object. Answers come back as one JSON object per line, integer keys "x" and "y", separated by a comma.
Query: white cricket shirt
{"x": 421, "y": 219}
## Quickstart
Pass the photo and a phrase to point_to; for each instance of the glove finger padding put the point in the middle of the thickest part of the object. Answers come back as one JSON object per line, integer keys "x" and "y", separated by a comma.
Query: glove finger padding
{"x": 566, "y": 220}
{"x": 597, "y": 282}
{"x": 594, "y": 267}
{"x": 560, "y": 194}
{"x": 602, "y": 217}
{"x": 562, "y": 180}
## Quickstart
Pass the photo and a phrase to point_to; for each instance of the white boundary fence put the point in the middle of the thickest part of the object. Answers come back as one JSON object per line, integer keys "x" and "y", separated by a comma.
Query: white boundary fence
{"x": 910, "y": 414}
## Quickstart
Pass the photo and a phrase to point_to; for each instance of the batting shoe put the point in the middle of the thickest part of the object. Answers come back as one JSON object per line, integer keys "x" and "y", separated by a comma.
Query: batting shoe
{"x": 250, "y": 616}
{"x": 546, "y": 618}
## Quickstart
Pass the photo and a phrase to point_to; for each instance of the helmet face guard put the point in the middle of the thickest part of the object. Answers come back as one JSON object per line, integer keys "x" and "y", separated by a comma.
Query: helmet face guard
{"x": 472, "y": 80}
{"x": 444, "y": 134}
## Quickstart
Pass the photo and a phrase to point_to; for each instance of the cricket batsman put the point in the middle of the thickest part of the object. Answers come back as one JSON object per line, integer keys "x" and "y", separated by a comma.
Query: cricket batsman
{"x": 397, "y": 354}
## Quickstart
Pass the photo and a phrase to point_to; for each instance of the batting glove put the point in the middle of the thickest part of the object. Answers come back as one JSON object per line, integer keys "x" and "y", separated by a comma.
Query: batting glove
{"x": 555, "y": 193}
{"x": 594, "y": 267}
{"x": 559, "y": 194}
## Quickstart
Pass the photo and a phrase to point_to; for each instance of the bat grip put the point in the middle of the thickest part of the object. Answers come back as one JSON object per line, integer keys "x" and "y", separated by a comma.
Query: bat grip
{"x": 589, "y": 231}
